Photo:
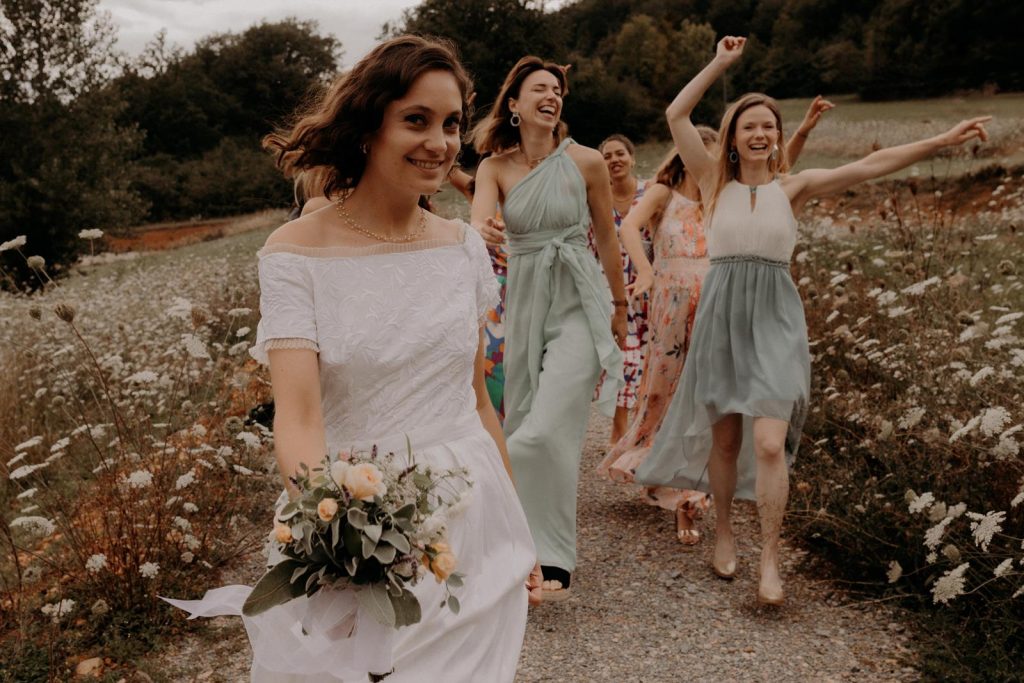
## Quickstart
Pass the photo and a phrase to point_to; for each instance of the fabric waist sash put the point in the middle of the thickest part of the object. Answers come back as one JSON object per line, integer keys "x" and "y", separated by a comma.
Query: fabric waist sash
{"x": 420, "y": 438}
{"x": 748, "y": 258}
{"x": 569, "y": 246}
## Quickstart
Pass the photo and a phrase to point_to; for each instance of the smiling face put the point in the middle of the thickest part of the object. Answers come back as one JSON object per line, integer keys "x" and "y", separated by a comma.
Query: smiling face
{"x": 540, "y": 100}
{"x": 756, "y": 134}
{"x": 617, "y": 158}
{"x": 419, "y": 137}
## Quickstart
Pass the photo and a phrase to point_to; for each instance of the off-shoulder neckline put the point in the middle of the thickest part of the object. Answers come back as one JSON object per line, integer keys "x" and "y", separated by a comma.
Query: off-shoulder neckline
{"x": 368, "y": 250}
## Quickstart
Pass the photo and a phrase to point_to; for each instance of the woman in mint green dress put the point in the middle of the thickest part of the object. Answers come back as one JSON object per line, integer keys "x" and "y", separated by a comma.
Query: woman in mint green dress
{"x": 739, "y": 408}
{"x": 561, "y": 327}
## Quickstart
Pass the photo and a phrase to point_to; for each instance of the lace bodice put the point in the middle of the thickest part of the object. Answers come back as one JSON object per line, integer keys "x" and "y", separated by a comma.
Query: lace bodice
{"x": 396, "y": 327}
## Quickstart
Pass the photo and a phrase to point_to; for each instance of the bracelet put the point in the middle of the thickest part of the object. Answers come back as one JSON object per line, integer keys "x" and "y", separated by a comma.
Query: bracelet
{"x": 620, "y": 303}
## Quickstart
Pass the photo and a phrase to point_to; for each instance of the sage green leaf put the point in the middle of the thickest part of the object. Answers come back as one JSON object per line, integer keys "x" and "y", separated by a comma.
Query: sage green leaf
{"x": 373, "y": 531}
{"x": 453, "y": 604}
{"x": 368, "y": 546}
{"x": 357, "y": 518}
{"x": 375, "y": 601}
{"x": 288, "y": 511}
{"x": 299, "y": 571}
{"x": 397, "y": 539}
{"x": 273, "y": 589}
{"x": 455, "y": 580}
{"x": 406, "y": 511}
{"x": 353, "y": 540}
{"x": 385, "y": 553}
{"x": 407, "y": 609}
{"x": 335, "y": 531}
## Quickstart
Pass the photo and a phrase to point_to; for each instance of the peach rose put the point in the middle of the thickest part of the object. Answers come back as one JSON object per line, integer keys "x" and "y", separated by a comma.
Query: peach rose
{"x": 339, "y": 468}
{"x": 364, "y": 481}
{"x": 441, "y": 547}
{"x": 326, "y": 509}
{"x": 443, "y": 566}
{"x": 283, "y": 533}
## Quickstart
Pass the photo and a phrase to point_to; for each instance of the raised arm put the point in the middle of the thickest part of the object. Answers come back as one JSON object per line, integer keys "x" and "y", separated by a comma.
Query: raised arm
{"x": 796, "y": 142}
{"x": 806, "y": 185}
{"x": 684, "y": 134}
{"x": 463, "y": 182}
{"x": 298, "y": 421}
{"x": 654, "y": 200}
{"x": 485, "y": 204}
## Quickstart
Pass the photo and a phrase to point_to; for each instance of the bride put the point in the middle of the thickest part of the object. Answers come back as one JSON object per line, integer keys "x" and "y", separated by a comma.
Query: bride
{"x": 371, "y": 315}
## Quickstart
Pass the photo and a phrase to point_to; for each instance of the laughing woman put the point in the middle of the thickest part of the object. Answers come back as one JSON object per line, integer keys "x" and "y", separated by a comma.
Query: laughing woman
{"x": 741, "y": 403}
{"x": 559, "y": 333}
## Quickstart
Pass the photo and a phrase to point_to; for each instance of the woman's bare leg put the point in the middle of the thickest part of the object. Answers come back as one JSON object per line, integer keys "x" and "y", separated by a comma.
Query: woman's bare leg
{"x": 772, "y": 491}
{"x": 726, "y": 438}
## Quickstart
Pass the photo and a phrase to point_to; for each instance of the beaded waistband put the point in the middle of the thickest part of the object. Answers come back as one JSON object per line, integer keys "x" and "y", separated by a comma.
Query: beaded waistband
{"x": 752, "y": 258}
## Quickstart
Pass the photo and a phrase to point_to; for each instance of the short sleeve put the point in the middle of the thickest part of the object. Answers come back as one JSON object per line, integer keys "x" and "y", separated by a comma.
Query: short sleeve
{"x": 488, "y": 291}
{"x": 287, "y": 311}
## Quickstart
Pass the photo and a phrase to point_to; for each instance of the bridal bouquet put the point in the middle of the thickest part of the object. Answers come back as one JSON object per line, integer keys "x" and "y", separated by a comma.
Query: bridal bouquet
{"x": 369, "y": 521}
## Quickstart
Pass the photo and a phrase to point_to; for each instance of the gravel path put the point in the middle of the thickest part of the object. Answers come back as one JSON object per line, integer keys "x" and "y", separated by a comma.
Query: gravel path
{"x": 647, "y": 610}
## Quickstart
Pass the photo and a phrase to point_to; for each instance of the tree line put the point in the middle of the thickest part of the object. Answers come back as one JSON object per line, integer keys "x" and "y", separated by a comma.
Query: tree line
{"x": 92, "y": 138}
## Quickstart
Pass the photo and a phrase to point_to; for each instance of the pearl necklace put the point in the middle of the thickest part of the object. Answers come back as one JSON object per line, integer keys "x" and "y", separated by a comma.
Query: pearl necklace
{"x": 345, "y": 216}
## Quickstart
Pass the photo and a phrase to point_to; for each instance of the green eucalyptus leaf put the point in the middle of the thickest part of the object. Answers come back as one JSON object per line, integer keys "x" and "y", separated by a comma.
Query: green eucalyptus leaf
{"x": 357, "y": 518}
{"x": 407, "y": 608}
{"x": 385, "y": 553}
{"x": 299, "y": 571}
{"x": 273, "y": 589}
{"x": 397, "y": 539}
{"x": 369, "y": 545}
{"x": 373, "y": 531}
{"x": 455, "y": 581}
{"x": 453, "y": 604}
{"x": 374, "y": 600}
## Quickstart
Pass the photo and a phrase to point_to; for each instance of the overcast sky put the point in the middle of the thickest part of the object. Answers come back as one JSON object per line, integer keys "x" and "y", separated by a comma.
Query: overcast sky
{"x": 355, "y": 22}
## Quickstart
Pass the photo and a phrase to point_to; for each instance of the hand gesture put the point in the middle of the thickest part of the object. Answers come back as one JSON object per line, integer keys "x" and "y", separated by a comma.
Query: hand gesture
{"x": 620, "y": 327}
{"x": 966, "y": 130}
{"x": 534, "y": 586}
{"x": 493, "y": 232}
{"x": 643, "y": 282}
{"x": 818, "y": 107}
{"x": 730, "y": 48}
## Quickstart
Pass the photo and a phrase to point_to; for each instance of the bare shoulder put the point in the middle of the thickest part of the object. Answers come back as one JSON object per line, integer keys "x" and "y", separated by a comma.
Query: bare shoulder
{"x": 445, "y": 228}
{"x": 657, "y": 191}
{"x": 585, "y": 157}
{"x": 305, "y": 231}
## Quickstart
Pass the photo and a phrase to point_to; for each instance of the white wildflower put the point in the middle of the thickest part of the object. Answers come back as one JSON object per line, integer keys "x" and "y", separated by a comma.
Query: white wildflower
{"x": 90, "y": 234}
{"x": 1009, "y": 318}
{"x": 886, "y": 298}
{"x": 895, "y": 572}
{"x": 16, "y": 459}
{"x": 58, "y": 610}
{"x": 966, "y": 429}
{"x": 919, "y": 288}
{"x": 241, "y": 332}
{"x": 932, "y": 557}
{"x": 242, "y": 470}
{"x": 38, "y": 526}
{"x": 238, "y": 349}
{"x": 191, "y": 542}
{"x": 28, "y": 493}
{"x": 31, "y": 443}
{"x": 920, "y": 503}
{"x": 26, "y": 470}
{"x": 140, "y": 479}
{"x": 190, "y": 507}
{"x": 195, "y": 346}
{"x": 1013, "y": 503}
{"x": 933, "y": 536}
{"x": 1004, "y": 567}
{"x": 950, "y": 585}
{"x": 982, "y": 375}
{"x": 182, "y": 523}
{"x": 185, "y": 480}
{"x": 149, "y": 570}
{"x": 143, "y": 377}
{"x": 898, "y": 311}
{"x": 239, "y": 312}
{"x": 60, "y": 445}
{"x": 96, "y": 563}
{"x": 17, "y": 243}
{"x": 957, "y": 511}
{"x": 249, "y": 439}
{"x": 986, "y": 526}
{"x": 187, "y": 557}
{"x": 912, "y": 418}
{"x": 180, "y": 308}
{"x": 993, "y": 420}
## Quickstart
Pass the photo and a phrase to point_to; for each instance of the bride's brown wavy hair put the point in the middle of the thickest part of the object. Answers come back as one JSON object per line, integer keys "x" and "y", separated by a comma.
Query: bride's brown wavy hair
{"x": 495, "y": 133}
{"x": 332, "y": 129}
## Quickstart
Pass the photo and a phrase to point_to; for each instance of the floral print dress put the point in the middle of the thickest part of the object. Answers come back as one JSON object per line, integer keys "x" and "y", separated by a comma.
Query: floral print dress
{"x": 680, "y": 263}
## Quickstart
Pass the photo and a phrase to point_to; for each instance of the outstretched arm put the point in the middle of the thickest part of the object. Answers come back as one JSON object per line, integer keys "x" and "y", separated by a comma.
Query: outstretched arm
{"x": 485, "y": 204}
{"x": 298, "y": 421}
{"x": 654, "y": 200}
{"x": 691, "y": 148}
{"x": 796, "y": 143}
{"x": 817, "y": 182}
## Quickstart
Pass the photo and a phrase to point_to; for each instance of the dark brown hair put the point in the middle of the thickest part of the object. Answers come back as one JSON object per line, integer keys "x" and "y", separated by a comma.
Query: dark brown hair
{"x": 332, "y": 129}
{"x": 672, "y": 170}
{"x": 495, "y": 133}
{"x": 618, "y": 137}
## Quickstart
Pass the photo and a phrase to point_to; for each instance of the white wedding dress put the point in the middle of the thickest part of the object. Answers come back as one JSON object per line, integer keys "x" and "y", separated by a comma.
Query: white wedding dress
{"x": 397, "y": 331}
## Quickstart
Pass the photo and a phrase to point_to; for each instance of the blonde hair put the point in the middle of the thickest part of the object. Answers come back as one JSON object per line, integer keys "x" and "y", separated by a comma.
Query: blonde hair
{"x": 495, "y": 132}
{"x": 727, "y": 170}
{"x": 311, "y": 182}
